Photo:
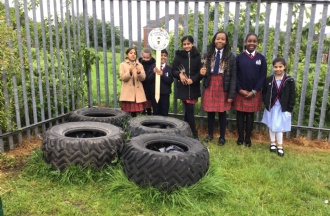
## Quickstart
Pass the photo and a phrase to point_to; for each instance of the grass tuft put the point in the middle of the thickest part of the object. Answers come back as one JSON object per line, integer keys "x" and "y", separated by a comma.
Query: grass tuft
{"x": 7, "y": 162}
{"x": 37, "y": 168}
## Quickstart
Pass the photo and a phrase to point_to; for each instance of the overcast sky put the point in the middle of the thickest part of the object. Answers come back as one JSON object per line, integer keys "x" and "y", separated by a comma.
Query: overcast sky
{"x": 143, "y": 14}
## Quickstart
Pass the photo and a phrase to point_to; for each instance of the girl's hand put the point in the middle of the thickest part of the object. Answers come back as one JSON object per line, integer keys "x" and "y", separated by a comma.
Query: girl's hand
{"x": 133, "y": 70}
{"x": 250, "y": 95}
{"x": 244, "y": 93}
{"x": 189, "y": 82}
{"x": 230, "y": 100}
{"x": 203, "y": 71}
{"x": 183, "y": 79}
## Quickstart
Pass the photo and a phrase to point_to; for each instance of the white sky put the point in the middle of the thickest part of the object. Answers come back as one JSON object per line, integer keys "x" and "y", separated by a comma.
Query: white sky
{"x": 143, "y": 14}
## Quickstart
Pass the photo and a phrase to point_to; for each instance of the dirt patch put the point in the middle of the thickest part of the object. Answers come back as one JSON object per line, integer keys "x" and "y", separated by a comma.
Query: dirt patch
{"x": 262, "y": 136}
{"x": 14, "y": 160}
{"x": 26, "y": 148}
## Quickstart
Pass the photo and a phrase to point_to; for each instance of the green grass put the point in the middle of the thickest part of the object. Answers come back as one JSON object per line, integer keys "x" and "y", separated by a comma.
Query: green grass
{"x": 240, "y": 181}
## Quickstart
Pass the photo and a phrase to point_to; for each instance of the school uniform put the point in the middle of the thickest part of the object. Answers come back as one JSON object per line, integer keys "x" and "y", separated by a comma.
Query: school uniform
{"x": 132, "y": 94}
{"x": 279, "y": 97}
{"x": 219, "y": 87}
{"x": 189, "y": 94}
{"x": 251, "y": 74}
{"x": 148, "y": 67}
{"x": 191, "y": 61}
{"x": 166, "y": 80}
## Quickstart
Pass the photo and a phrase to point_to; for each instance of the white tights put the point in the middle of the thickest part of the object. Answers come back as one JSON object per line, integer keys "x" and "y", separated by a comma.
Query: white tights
{"x": 278, "y": 135}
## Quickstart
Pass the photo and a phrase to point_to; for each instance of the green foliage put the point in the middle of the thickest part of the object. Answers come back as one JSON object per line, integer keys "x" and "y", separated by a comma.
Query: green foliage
{"x": 309, "y": 94}
{"x": 99, "y": 32}
{"x": 53, "y": 79}
{"x": 9, "y": 68}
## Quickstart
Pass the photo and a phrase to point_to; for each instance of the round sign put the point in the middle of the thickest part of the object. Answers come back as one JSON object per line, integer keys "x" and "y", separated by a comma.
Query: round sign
{"x": 158, "y": 39}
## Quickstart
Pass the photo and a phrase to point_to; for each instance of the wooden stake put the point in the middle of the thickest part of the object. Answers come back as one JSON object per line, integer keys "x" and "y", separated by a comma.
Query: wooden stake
{"x": 157, "y": 77}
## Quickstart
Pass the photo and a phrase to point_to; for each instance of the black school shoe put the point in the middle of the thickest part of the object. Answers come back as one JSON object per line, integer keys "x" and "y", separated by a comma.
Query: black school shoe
{"x": 221, "y": 141}
{"x": 272, "y": 148}
{"x": 195, "y": 136}
{"x": 248, "y": 143}
{"x": 239, "y": 142}
{"x": 208, "y": 139}
{"x": 280, "y": 152}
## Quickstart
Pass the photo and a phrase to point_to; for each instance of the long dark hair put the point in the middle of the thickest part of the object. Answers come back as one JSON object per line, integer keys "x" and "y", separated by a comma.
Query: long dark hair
{"x": 187, "y": 37}
{"x": 226, "y": 50}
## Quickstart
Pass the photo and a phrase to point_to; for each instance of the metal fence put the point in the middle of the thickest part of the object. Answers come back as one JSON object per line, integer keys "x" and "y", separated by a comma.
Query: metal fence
{"x": 61, "y": 58}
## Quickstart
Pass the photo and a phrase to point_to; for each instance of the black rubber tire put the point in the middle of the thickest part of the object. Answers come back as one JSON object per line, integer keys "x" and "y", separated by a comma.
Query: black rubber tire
{"x": 65, "y": 144}
{"x": 113, "y": 116}
{"x": 157, "y": 124}
{"x": 165, "y": 171}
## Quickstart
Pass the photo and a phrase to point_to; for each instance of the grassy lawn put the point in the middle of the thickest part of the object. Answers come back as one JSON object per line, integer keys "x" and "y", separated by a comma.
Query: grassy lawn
{"x": 240, "y": 181}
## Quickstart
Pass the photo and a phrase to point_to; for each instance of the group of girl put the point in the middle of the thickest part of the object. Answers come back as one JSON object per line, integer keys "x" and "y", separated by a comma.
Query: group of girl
{"x": 229, "y": 81}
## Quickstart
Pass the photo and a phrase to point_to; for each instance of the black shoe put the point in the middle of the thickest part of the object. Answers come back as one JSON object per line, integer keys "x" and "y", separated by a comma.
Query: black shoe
{"x": 239, "y": 142}
{"x": 272, "y": 148}
{"x": 280, "y": 152}
{"x": 208, "y": 139}
{"x": 248, "y": 143}
{"x": 222, "y": 141}
{"x": 195, "y": 136}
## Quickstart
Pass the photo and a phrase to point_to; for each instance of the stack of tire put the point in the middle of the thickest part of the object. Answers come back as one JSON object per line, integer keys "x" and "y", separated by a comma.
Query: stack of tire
{"x": 91, "y": 137}
{"x": 160, "y": 152}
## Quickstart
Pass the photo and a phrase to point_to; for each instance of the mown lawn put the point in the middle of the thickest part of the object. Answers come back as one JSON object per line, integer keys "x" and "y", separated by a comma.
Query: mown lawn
{"x": 240, "y": 181}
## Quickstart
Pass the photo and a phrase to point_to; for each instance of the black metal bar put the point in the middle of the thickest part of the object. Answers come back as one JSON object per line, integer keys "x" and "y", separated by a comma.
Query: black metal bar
{"x": 31, "y": 126}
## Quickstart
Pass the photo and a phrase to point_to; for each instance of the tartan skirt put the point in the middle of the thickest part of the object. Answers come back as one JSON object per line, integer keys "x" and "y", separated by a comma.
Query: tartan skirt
{"x": 128, "y": 106}
{"x": 147, "y": 104}
{"x": 190, "y": 101}
{"x": 247, "y": 104}
{"x": 214, "y": 97}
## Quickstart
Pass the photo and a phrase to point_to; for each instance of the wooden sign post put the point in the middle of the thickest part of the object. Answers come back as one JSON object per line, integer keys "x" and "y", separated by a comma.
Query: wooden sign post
{"x": 158, "y": 40}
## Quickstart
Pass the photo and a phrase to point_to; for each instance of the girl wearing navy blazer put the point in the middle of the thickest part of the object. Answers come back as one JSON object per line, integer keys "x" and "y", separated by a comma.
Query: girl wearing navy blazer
{"x": 251, "y": 74}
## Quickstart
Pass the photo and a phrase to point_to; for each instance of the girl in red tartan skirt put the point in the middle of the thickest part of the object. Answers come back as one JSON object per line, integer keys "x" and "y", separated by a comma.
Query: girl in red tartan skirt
{"x": 219, "y": 83}
{"x": 251, "y": 75}
{"x": 132, "y": 74}
{"x": 185, "y": 68}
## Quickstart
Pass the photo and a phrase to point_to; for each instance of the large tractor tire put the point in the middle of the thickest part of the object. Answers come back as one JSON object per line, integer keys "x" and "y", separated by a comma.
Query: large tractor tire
{"x": 82, "y": 143}
{"x": 165, "y": 162}
{"x": 157, "y": 124}
{"x": 113, "y": 116}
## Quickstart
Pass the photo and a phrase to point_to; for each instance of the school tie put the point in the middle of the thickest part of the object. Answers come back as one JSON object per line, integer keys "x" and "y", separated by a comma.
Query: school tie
{"x": 216, "y": 64}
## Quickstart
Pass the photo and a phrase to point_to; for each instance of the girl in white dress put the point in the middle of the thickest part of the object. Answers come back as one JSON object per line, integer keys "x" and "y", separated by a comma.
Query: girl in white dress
{"x": 279, "y": 96}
